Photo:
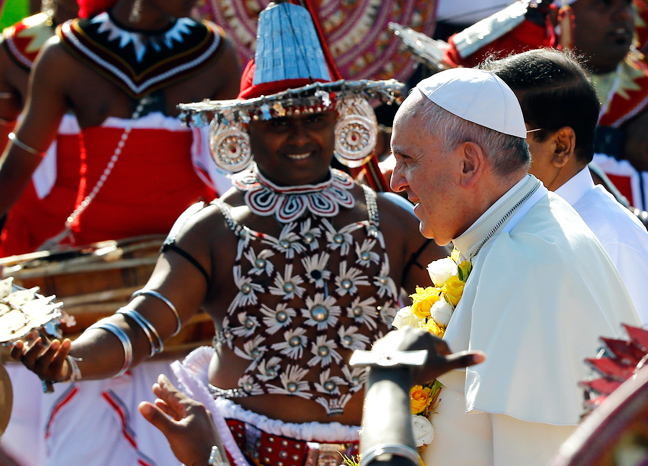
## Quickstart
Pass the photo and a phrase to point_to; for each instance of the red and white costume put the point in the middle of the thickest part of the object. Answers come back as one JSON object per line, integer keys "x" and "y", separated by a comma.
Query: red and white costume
{"x": 37, "y": 216}
{"x": 162, "y": 169}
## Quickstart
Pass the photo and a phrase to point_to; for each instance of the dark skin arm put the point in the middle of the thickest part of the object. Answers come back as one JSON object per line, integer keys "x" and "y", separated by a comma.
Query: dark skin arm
{"x": 13, "y": 87}
{"x": 386, "y": 413}
{"x": 45, "y": 107}
{"x": 101, "y": 353}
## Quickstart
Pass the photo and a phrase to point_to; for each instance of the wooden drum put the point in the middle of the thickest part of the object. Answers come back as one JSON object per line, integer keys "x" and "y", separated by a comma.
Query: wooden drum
{"x": 94, "y": 281}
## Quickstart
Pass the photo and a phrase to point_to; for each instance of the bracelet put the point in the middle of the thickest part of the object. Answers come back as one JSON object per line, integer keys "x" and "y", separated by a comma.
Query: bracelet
{"x": 127, "y": 345}
{"x": 395, "y": 358}
{"x": 18, "y": 143}
{"x": 394, "y": 449}
{"x": 150, "y": 331}
{"x": 75, "y": 372}
{"x": 75, "y": 375}
{"x": 165, "y": 301}
{"x": 215, "y": 457}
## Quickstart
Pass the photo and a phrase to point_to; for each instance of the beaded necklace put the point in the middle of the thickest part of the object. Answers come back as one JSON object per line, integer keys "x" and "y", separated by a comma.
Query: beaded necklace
{"x": 287, "y": 204}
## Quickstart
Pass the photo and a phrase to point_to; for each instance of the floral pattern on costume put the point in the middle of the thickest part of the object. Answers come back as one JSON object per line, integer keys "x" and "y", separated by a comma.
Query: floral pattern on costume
{"x": 313, "y": 294}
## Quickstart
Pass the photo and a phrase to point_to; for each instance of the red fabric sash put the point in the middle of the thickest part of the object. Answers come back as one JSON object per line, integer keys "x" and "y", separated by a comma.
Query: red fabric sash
{"x": 32, "y": 221}
{"x": 152, "y": 183}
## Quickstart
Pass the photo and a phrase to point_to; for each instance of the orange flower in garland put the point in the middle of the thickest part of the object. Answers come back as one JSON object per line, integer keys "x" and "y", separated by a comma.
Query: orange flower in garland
{"x": 421, "y": 398}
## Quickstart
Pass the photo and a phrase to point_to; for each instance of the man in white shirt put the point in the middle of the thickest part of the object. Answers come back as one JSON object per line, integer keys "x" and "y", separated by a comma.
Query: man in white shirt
{"x": 561, "y": 109}
{"x": 541, "y": 291}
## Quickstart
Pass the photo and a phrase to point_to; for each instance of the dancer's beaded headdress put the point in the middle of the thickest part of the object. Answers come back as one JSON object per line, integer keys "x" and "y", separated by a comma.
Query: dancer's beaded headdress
{"x": 289, "y": 76}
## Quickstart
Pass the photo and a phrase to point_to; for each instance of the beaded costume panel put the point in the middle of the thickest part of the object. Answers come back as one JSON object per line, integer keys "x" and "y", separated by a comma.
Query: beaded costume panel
{"x": 295, "y": 313}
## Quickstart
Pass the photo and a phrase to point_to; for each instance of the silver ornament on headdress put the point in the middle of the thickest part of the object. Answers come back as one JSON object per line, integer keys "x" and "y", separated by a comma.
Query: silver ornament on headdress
{"x": 355, "y": 132}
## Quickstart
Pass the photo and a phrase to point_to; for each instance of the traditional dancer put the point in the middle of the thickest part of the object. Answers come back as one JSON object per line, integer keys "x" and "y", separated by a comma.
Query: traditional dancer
{"x": 297, "y": 265}
{"x": 122, "y": 75}
{"x": 21, "y": 44}
{"x": 122, "y": 72}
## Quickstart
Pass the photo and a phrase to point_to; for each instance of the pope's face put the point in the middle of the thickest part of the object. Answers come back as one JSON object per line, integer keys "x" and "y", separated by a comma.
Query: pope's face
{"x": 603, "y": 31}
{"x": 426, "y": 173}
{"x": 294, "y": 150}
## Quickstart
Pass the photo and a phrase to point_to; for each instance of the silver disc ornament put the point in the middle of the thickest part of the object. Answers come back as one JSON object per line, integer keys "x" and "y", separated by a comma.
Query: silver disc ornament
{"x": 230, "y": 146}
{"x": 355, "y": 132}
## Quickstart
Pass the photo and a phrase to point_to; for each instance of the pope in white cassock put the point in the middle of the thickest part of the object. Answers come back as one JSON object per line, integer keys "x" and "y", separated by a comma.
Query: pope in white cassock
{"x": 542, "y": 289}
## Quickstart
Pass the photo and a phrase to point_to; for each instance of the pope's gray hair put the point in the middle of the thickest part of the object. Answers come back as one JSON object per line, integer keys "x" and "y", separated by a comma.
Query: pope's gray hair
{"x": 506, "y": 153}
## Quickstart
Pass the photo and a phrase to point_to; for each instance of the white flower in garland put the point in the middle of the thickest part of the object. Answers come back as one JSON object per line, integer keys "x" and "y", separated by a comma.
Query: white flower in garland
{"x": 310, "y": 235}
{"x": 441, "y": 312}
{"x": 292, "y": 383}
{"x": 351, "y": 339}
{"x": 247, "y": 291}
{"x": 442, "y": 269}
{"x": 363, "y": 312}
{"x": 423, "y": 431}
{"x": 348, "y": 280}
{"x": 276, "y": 319}
{"x": 339, "y": 239}
{"x": 260, "y": 262}
{"x": 365, "y": 254}
{"x": 252, "y": 350}
{"x": 288, "y": 242}
{"x": 355, "y": 377}
{"x": 384, "y": 282}
{"x": 269, "y": 369}
{"x": 406, "y": 318}
{"x": 324, "y": 352}
{"x": 329, "y": 385}
{"x": 316, "y": 269}
{"x": 321, "y": 312}
{"x": 294, "y": 344}
{"x": 249, "y": 325}
{"x": 287, "y": 285}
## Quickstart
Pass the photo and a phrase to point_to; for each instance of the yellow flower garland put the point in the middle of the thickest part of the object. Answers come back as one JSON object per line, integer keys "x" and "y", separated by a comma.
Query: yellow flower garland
{"x": 424, "y": 398}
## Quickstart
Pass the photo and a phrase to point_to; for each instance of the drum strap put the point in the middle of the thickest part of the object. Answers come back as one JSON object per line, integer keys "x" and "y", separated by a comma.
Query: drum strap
{"x": 171, "y": 245}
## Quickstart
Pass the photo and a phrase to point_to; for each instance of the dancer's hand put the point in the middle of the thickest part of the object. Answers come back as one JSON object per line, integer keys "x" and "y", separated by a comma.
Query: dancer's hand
{"x": 186, "y": 424}
{"x": 43, "y": 357}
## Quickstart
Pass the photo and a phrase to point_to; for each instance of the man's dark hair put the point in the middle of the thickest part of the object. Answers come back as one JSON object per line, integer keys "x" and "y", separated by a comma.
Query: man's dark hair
{"x": 554, "y": 92}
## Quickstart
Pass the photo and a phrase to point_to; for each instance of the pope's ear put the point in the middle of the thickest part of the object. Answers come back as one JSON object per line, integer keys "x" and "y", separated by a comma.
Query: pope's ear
{"x": 473, "y": 162}
{"x": 565, "y": 145}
